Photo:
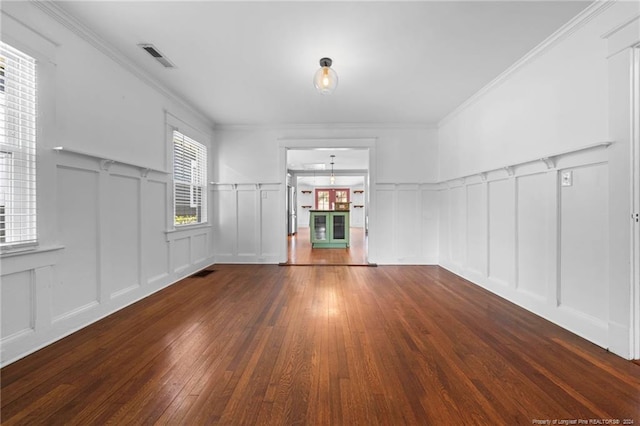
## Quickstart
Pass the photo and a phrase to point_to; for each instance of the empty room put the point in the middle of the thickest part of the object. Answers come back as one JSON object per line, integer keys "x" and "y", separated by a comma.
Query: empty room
{"x": 319, "y": 213}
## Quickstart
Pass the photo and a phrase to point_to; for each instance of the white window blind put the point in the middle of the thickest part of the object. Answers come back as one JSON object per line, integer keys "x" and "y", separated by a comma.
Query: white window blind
{"x": 17, "y": 148}
{"x": 189, "y": 180}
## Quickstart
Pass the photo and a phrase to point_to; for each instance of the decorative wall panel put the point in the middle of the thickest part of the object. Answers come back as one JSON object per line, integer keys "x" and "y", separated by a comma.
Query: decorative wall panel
{"x": 17, "y": 304}
{"x": 502, "y": 207}
{"x": 77, "y": 283}
{"x": 584, "y": 224}
{"x": 122, "y": 241}
{"x": 533, "y": 234}
{"x": 476, "y": 228}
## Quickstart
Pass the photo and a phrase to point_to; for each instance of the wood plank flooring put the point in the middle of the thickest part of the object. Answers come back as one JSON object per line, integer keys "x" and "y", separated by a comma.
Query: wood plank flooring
{"x": 301, "y": 253}
{"x": 269, "y": 345}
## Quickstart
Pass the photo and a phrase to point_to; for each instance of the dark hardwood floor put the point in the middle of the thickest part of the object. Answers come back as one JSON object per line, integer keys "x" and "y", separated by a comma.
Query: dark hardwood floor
{"x": 262, "y": 344}
{"x": 301, "y": 253}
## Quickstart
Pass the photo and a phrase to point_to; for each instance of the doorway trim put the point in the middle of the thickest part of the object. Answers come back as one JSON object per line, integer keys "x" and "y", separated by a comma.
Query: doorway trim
{"x": 635, "y": 202}
{"x": 285, "y": 144}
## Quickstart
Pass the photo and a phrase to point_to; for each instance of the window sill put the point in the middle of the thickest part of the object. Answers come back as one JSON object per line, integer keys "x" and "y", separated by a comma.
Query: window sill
{"x": 27, "y": 250}
{"x": 187, "y": 231}
{"x": 29, "y": 259}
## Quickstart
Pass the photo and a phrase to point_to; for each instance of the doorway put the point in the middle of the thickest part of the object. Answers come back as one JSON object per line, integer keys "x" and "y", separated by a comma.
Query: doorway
{"x": 317, "y": 187}
{"x": 313, "y": 195}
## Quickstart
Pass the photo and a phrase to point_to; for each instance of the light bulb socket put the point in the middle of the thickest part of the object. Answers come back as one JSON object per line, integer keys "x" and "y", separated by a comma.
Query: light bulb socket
{"x": 325, "y": 62}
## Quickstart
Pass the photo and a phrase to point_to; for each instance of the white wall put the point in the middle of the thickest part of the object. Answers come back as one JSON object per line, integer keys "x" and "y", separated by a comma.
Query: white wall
{"x": 560, "y": 251}
{"x": 104, "y": 227}
{"x": 403, "y": 199}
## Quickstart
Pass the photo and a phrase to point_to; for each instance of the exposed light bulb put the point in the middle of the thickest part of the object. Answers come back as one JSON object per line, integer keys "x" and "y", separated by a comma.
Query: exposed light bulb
{"x": 332, "y": 177}
{"x": 325, "y": 79}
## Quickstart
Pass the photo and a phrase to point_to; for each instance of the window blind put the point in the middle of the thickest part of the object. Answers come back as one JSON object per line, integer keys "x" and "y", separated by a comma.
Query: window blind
{"x": 190, "y": 180}
{"x": 17, "y": 147}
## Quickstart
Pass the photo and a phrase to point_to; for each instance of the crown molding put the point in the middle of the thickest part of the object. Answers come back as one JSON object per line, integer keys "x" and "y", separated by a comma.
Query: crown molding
{"x": 78, "y": 28}
{"x": 326, "y": 126}
{"x": 590, "y": 12}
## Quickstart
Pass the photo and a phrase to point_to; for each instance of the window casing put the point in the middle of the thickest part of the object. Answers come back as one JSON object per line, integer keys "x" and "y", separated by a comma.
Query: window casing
{"x": 189, "y": 181}
{"x": 17, "y": 148}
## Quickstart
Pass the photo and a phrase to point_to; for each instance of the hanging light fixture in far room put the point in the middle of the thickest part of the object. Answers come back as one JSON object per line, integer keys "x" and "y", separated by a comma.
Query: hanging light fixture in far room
{"x": 325, "y": 79}
{"x": 332, "y": 178}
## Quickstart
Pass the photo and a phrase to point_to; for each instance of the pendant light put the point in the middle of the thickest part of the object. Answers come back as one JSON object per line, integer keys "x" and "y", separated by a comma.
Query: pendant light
{"x": 325, "y": 79}
{"x": 332, "y": 178}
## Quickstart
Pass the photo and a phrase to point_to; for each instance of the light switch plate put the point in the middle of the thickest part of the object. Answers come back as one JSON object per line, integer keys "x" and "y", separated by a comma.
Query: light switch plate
{"x": 567, "y": 178}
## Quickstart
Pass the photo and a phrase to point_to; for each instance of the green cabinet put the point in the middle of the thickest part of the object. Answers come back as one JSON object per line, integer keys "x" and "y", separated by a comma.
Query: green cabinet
{"x": 329, "y": 229}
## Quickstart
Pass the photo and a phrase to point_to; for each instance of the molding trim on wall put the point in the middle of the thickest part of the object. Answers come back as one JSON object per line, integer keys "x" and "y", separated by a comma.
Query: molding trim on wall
{"x": 593, "y": 10}
{"x": 621, "y": 26}
{"x": 624, "y": 36}
{"x": 105, "y": 163}
{"x": 550, "y": 162}
{"x": 326, "y": 126}
{"x": 81, "y": 30}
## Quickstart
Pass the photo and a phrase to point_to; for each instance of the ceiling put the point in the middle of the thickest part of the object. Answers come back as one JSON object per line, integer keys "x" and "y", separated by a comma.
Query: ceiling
{"x": 253, "y": 62}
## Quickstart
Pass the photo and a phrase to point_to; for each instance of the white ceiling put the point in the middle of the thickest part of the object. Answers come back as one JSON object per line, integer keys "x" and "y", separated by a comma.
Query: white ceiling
{"x": 253, "y": 62}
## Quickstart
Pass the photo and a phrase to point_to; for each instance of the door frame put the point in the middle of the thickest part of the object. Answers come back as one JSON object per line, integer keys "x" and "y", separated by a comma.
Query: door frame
{"x": 635, "y": 201}
{"x": 369, "y": 144}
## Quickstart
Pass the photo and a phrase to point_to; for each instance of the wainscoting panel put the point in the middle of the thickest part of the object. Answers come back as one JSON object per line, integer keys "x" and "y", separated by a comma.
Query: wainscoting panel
{"x": 533, "y": 226}
{"x": 384, "y": 235}
{"x": 199, "y": 248}
{"x": 584, "y": 234}
{"x": 225, "y": 223}
{"x": 122, "y": 242}
{"x": 477, "y": 229}
{"x": 17, "y": 295}
{"x": 247, "y": 226}
{"x": 181, "y": 254}
{"x": 430, "y": 212}
{"x": 77, "y": 283}
{"x": 247, "y": 222}
{"x": 269, "y": 219}
{"x": 155, "y": 252}
{"x": 457, "y": 225}
{"x": 444, "y": 227}
{"x": 407, "y": 216}
{"x": 114, "y": 246}
{"x": 522, "y": 234}
{"x": 502, "y": 231}
{"x": 409, "y": 225}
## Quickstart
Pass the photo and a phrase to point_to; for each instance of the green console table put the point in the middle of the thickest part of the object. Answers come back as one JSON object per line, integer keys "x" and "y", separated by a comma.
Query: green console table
{"x": 329, "y": 228}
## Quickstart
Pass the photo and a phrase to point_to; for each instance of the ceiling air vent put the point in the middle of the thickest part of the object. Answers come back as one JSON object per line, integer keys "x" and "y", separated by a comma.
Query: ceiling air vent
{"x": 151, "y": 50}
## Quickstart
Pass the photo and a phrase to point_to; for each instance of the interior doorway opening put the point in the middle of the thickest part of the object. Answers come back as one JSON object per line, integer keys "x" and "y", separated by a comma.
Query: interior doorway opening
{"x": 314, "y": 186}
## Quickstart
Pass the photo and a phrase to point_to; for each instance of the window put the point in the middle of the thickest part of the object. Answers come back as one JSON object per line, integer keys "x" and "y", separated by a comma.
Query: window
{"x": 323, "y": 200}
{"x": 326, "y": 199}
{"x": 17, "y": 148}
{"x": 189, "y": 180}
